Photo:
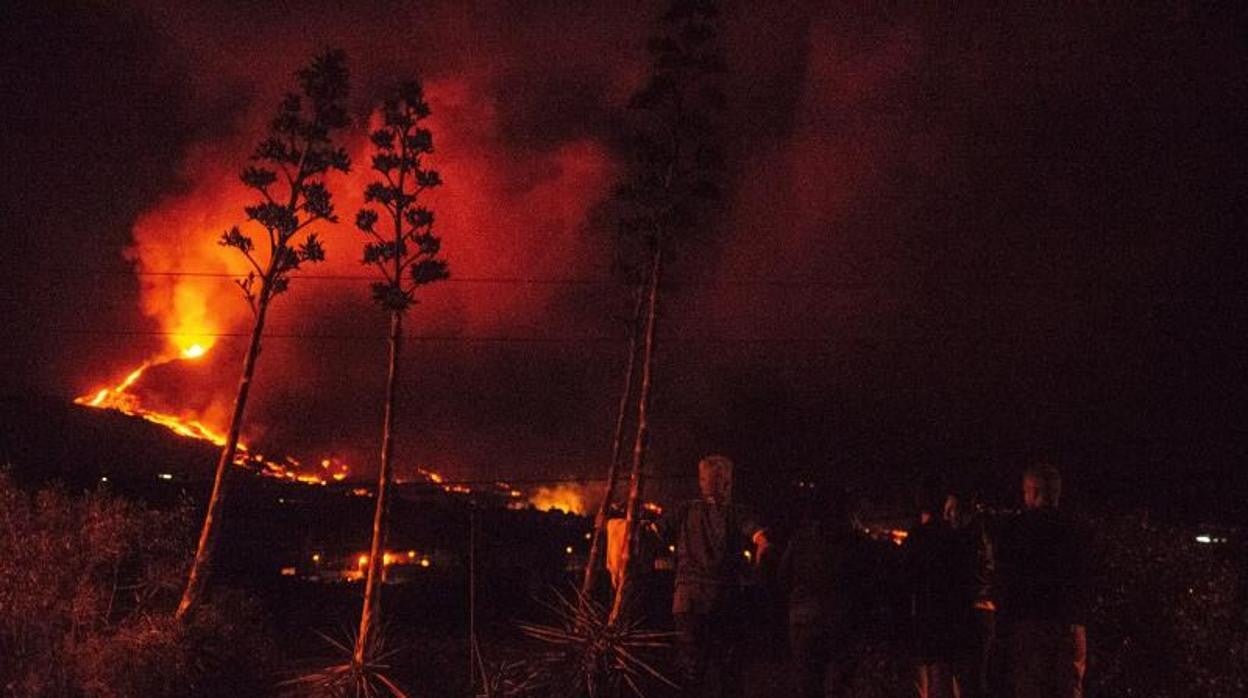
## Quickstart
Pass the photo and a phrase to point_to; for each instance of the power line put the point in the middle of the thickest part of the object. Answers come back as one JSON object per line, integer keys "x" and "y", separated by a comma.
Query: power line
{"x": 348, "y": 277}
{"x": 336, "y": 336}
{"x": 484, "y": 339}
{"x": 794, "y": 282}
{"x": 943, "y": 335}
{"x": 501, "y": 280}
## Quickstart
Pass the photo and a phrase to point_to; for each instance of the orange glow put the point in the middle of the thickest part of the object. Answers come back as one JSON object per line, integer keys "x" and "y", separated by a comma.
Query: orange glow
{"x": 570, "y": 499}
{"x": 437, "y": 479}
{"x": 187, "y": 279}
{"x": 115, "y": 397}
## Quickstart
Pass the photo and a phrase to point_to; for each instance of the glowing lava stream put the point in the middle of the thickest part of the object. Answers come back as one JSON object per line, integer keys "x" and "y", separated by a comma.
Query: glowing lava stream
{"x": 119, "y": 398}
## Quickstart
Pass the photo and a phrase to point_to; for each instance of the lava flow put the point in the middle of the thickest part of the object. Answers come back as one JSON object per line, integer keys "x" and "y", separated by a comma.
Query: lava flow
{"x": 120, "y": 398}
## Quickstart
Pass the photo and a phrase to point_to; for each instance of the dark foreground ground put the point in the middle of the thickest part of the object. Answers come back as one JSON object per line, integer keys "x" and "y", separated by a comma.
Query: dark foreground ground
{"x": 428, "y": 623}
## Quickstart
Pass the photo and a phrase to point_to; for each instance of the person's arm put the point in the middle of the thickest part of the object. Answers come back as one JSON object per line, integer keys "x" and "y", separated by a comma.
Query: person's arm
{"x": 756, "y": 534}
{"x": 669, "y": 522}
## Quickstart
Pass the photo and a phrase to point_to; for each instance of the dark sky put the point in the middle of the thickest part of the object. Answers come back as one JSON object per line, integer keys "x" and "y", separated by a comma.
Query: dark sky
{"x": 964, "y": 237}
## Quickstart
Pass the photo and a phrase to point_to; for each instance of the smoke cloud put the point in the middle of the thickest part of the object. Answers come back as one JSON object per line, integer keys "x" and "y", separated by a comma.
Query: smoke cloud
{"x": 945, "y": 233}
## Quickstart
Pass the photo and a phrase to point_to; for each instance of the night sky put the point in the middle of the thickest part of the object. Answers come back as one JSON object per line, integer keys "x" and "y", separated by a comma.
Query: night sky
{"x": 957, "y": 237}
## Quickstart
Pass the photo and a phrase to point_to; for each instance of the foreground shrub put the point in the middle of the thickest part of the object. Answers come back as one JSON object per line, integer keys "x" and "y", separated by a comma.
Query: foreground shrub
{"x": 87, "y": 588}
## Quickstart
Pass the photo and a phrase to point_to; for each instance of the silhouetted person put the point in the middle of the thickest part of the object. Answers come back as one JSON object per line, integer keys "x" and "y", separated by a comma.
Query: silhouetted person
{"x": 825, "y": 570}
{"x": 712, "y": 537}
{"x": 971, "y": 667}
{"x": 939, "y": 569}
{"x": 1043, "y": 594}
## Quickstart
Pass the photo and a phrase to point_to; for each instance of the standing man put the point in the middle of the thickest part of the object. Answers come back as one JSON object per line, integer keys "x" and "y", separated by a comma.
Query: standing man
{"x": 939, "y": 569}
{"x": 713, "y": 538}
{"x": 1043, "y": 591}
{"x": 826, "y": 572}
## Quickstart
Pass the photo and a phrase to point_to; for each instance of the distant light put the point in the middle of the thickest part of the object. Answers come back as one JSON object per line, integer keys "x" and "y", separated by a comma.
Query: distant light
{"x": 424, "y": 562}
{"x": 568, "y": 550}
{"x": 316, "y": 557}
{"x": 411, "y": 554}
{"x": 671, "y": 548}
{"x": 748, "y": 555}
{"x": 104, "y": 478}
{"x": 363, "y": 561}
{"x": 588, "y": 536}
{"x": 288, "y": 571}
{"x": 165, "y": 476}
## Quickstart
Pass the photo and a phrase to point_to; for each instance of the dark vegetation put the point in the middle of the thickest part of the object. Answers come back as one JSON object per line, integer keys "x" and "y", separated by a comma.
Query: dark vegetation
{"x": 87, "y": 583}
{"x": 89, "y": 575}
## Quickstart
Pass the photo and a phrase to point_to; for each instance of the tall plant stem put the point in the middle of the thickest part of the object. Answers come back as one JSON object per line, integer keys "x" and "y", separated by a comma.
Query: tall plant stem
{"x": 617, "y": 439}
{"x": 636, "y": 477}
{"x": 202, "y": 563}
{"x": 376, "y": 554}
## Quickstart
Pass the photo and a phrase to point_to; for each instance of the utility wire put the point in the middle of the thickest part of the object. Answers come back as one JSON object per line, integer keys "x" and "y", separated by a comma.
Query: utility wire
{"x": 1066, "y": 287}
{"x": 943, "y": 332}
{"x": 490, "y": 280}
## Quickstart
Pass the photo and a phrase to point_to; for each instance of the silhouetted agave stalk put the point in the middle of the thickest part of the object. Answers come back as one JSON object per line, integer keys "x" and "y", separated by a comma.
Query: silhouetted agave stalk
{"x": 402, "y": 246}
{"x": 292, "y": 162}
{"x": 666, "y": 198}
